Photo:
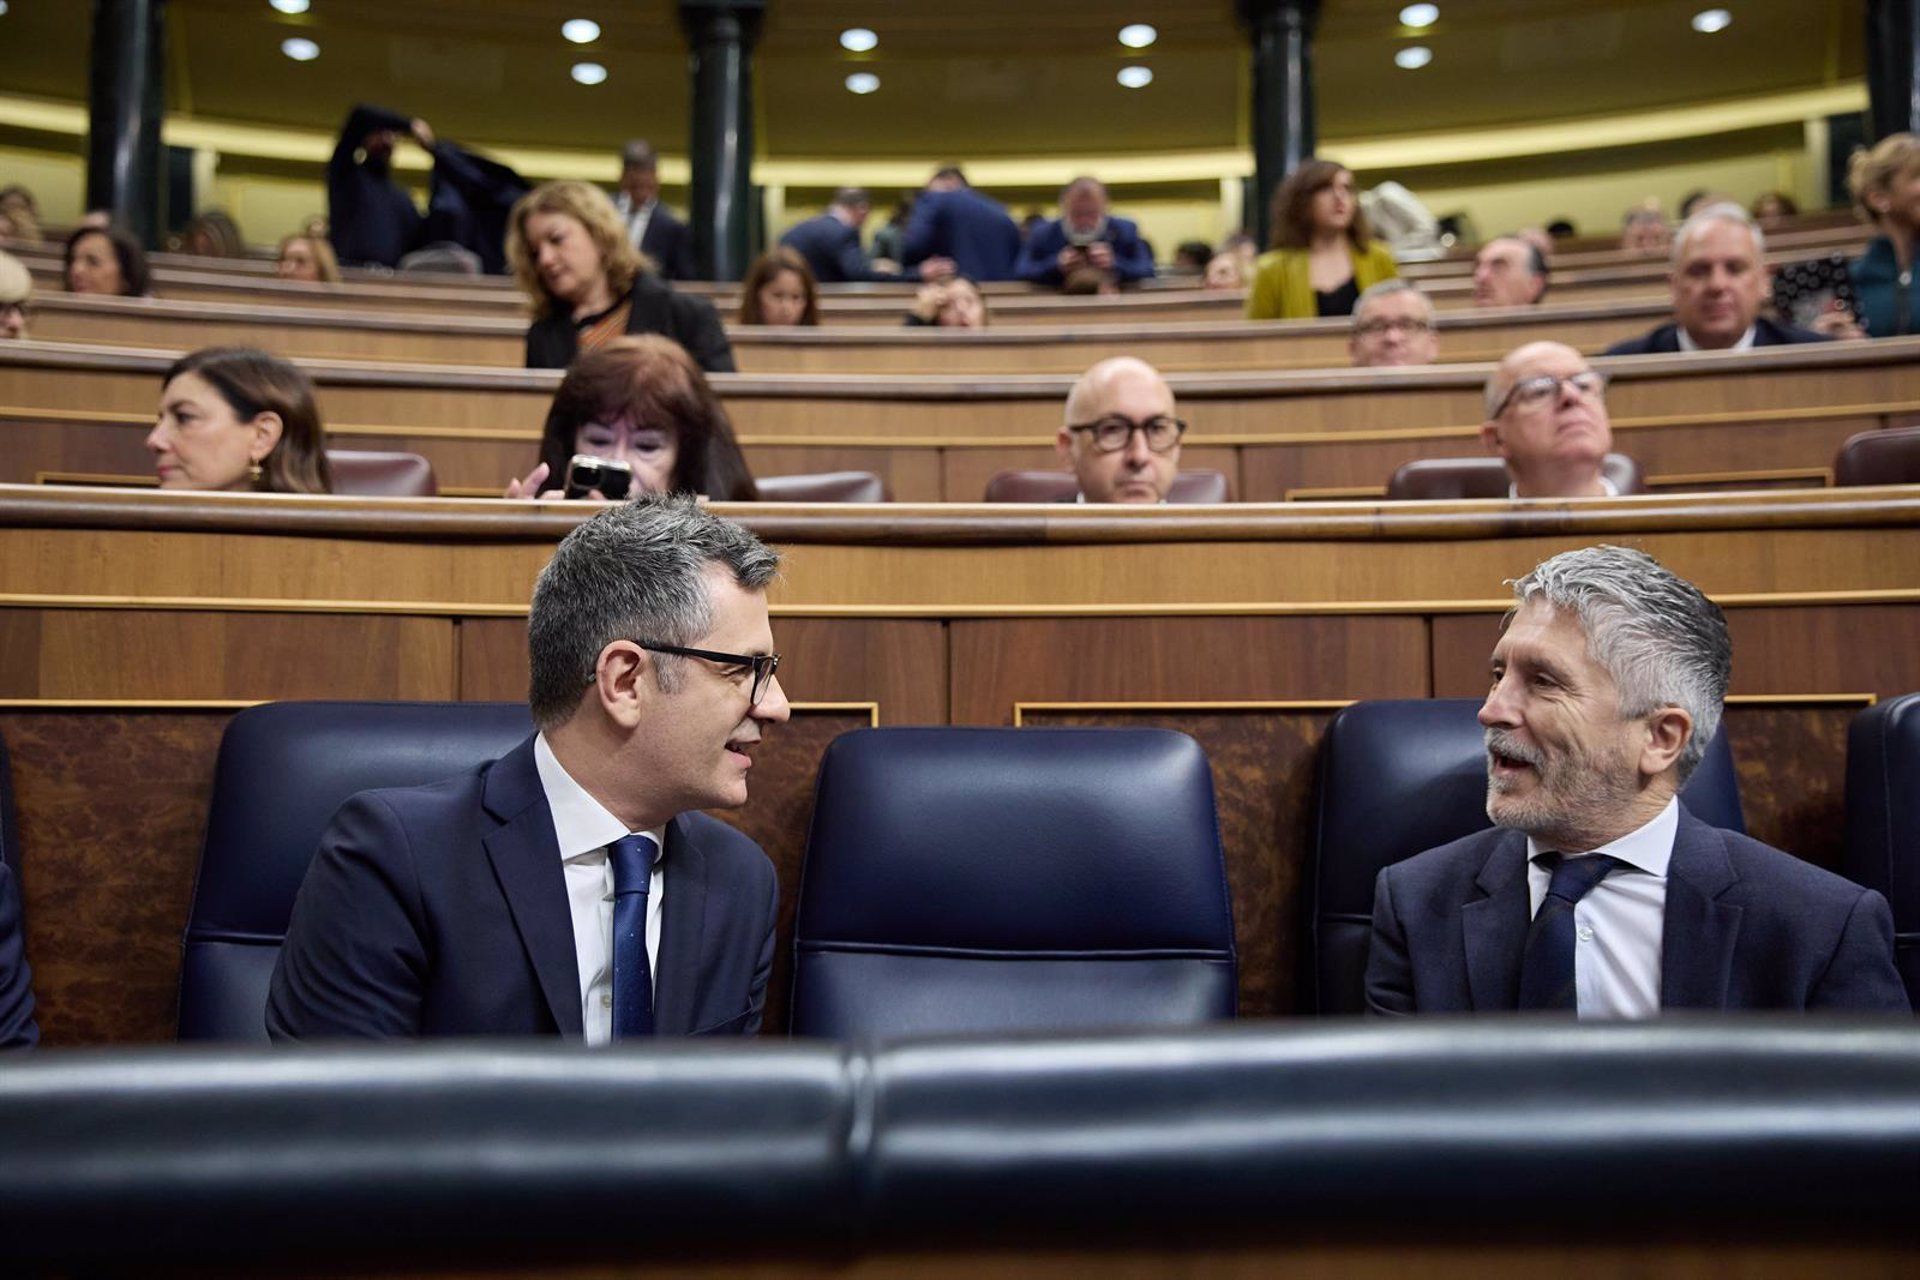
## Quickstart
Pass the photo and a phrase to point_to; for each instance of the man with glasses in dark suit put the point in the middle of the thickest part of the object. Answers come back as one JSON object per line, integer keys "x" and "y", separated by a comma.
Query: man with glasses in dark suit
{"x": 1121, "y": 439}
{"x": 572, "y": 887}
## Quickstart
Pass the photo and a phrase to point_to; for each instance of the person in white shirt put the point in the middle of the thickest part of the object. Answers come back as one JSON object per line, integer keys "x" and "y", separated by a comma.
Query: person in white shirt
{"x": 1547, "y": 420}
{"x": 1596, "y": 893}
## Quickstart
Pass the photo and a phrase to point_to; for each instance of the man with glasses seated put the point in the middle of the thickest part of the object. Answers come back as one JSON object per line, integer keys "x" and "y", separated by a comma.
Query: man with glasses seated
{"x": 572, "y": 887}
{"x": 1121, "y": 439}
{"x": 1547, "y": 419}
{"x": 1393, "y": 324}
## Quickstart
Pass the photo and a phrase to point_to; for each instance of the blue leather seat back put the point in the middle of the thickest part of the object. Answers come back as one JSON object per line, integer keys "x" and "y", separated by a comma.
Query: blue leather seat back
{"x": 283, "y": 769}
{"x": 1011, "y": 879}
{"x": 1883, "y": 819}
{"x": 1398, "y": 778}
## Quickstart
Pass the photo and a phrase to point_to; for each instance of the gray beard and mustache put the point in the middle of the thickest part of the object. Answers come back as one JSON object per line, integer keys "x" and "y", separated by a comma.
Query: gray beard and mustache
{"x": 1574, "y": 791}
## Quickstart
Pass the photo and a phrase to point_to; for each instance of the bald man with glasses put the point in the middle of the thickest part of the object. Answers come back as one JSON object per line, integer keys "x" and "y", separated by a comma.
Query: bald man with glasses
{"x": 1121, "y": 439}
{"x": 1547, "y": 420}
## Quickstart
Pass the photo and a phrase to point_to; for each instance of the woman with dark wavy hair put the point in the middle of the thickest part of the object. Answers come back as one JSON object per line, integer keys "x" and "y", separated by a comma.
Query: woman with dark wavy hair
{"x": 642, "y": 401}
{"x": 240, "y": 420}
{"x": 1323, "y": 254}
{"x": 106, "y": 260}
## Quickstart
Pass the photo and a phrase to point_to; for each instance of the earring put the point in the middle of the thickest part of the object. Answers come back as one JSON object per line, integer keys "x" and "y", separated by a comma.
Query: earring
{"x": 256, "y": 473}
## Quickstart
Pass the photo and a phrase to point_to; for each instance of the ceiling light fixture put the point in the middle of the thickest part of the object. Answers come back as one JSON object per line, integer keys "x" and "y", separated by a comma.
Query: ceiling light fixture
{"x": 1420, "y": 15}
{"x": 858, "y": 40}
{"x": 300, "y": 49}
{"x": 862, "y": 82}
{"x": 1413, "y": 57}
{"x": 291, "y": 6}
{"x": 589, "y": 73}
{"x": 1135, "y": 77}
{"x": 1708, "y": 21}
{"x": 580, "y": 30}
{"x": 1138, "y": 35}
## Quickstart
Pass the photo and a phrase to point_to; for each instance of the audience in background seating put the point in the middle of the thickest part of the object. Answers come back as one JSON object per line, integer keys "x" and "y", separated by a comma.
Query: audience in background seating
{"x": 106, "y": 260}
{"x": 1771, "y": 207}
{"x": 371, "y": 217}
{"x": 643, "y": 402}
{"x": 309, "y": 258}
{"x": 16, "y": 290}
{"x": 830, "y": 242}
{"x": 213, "y": 234}
{"x": 1885, "y": 182}
{"x": 1086, "y": 245}
{"x": 1192, "y": 255}
{"x": 889, "y": 240}
{"x": 238, "y": 419}
{"x": 1547, "y": 420}
{"x": 956, "y": 230}
{"x": 651, "y": 227}
{"x": 1694, "y": 201}
{"x": 1509, "y": 272}
{"x": 1121, "y": 439}
{"x": 1323, "y": 253}
{"x": 1393, "y": 324}
{"x": 1224, "y": 271}
{"x": 1608, "y": 683}
{"x": 779, "y": 289}
{"x": 585, "y": 280}
{"x": 954, "y": 303}
{"x": 1644, "y": 230}
{"x": 19, "y": 213}
{"x": 1719, "y": 280}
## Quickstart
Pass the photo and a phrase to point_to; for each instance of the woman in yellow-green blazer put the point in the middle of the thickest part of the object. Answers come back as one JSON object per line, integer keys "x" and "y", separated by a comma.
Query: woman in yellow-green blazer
{"x": 1324, "y": 254}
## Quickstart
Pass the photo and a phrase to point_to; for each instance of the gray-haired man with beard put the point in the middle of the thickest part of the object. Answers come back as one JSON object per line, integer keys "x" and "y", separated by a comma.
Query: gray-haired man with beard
{"x": 1596, "y": 893}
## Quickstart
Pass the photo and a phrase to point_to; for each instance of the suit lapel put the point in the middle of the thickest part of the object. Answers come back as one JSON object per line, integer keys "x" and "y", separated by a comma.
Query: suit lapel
{"x": 1495, "y": 926}
{"x": 651, "y": 309}
{"x": 526, "y": 862}
{"x": 683, "y": 925}
{"x": 1697, "y": 938}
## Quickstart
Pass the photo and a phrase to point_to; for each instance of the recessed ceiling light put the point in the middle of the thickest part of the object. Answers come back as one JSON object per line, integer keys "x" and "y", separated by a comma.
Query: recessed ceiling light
{"x": 589, "y": 73}
{"x": 300, "y": 49}
{"x": 580, "y": 30}
{"x": 858, "y": 40}
{"x": 1708, "y": 21}
{"x": 1413, "y": 57}
{"x": 1135, "y": 77}
{"x": 3, "y": 8}
{"x": 862, "y": 82}
{"x": 291, "y": 6}
{"x": 1420, "y": 15}
{"x": 1138, "y": 35}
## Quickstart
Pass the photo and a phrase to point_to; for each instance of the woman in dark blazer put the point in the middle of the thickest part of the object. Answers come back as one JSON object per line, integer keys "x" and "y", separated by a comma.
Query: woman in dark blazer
{"x": 588, "y": 285}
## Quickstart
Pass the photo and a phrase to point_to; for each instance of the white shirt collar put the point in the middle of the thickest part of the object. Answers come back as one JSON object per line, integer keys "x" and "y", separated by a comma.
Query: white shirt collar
{"x": 1688, "y": 344}
{"x": 1613, "y": 490}
{"x": 1647, "y": 848}
{"x": 581, "y": 824}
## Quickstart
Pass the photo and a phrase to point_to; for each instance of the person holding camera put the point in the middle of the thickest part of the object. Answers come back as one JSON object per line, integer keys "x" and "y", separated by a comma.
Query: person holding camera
{"x": 1085, "y": 245}
{"x": 637, "y": 416}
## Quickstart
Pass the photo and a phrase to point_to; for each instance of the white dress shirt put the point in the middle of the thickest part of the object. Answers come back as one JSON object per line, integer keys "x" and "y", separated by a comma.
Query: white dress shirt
{"x": 1688, "y": 344}
{"x": 636, "y": 219}
{"x": 1618, "y": 927}
{"x": 584, "y": 829}
{"x": 1613, "y": 490}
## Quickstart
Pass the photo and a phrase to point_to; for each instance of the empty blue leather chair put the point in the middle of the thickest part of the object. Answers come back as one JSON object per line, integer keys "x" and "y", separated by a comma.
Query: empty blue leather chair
{"x": 1401, "y": 777}
{"x": 282, "y": 771}
{"x": 1883, "y": 819}
{"x": 1010, "y": 880}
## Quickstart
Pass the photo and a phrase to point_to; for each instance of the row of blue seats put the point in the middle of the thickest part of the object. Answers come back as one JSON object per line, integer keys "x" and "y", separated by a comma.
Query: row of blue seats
{"x": 985, "y": 880}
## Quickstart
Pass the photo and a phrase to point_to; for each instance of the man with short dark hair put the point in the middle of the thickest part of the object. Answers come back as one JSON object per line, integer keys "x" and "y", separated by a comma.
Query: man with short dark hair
{"x": 651, "y": 226}
{"x": 1719, "y": 281}
{"x": 955, "y": 229}
{"x": 1085, "y": 243}
{"x": 1547, "y": 420}
{"x": 1597, "y": 894}
{"x": 830, "y": 242}
{"x": 1509, "y": 272}
{"x": 572, "y": 887}
{"x": 1120, "y": 438}
{"x": 1393, "y": 324}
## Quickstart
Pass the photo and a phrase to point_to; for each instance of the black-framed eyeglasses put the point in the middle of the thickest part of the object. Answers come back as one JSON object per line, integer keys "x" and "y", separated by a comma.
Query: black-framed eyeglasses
{"x": 763, "y": 665}
{"x": 1111, "y": 433}
{"x": 1590, "y": 383}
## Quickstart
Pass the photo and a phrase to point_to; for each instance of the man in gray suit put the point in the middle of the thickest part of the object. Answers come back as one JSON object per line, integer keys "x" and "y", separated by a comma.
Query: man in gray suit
{"x": 1596, "y": 893}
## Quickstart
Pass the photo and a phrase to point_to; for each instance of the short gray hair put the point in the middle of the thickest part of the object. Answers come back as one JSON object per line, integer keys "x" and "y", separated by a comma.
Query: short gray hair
{"x": 1663, "y": 642}
{"x": 633, "y": 572}
{"x": 1386, "y": 288}
{"x": 1725, "y": 211}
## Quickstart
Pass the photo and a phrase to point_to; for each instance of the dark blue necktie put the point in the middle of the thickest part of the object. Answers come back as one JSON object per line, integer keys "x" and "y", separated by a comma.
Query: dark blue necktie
{"x": 632, "y": 858}
{"x": 1546, "y": 968}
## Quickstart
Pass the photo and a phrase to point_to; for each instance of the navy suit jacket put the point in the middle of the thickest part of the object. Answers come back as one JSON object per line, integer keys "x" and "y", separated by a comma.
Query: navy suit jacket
{"x": 1747, "y": 927}
{"x": 1666, "y": 339}
{"x": 669, "y": 242}
{"x": 964, "y": 225}
{"x": 832, "y": 250}
{"x": 370, "y": 218}
{"x": 1132, "y": 259}
{"x": 17, "y": 1029}
{"x": 442, "y": 911}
